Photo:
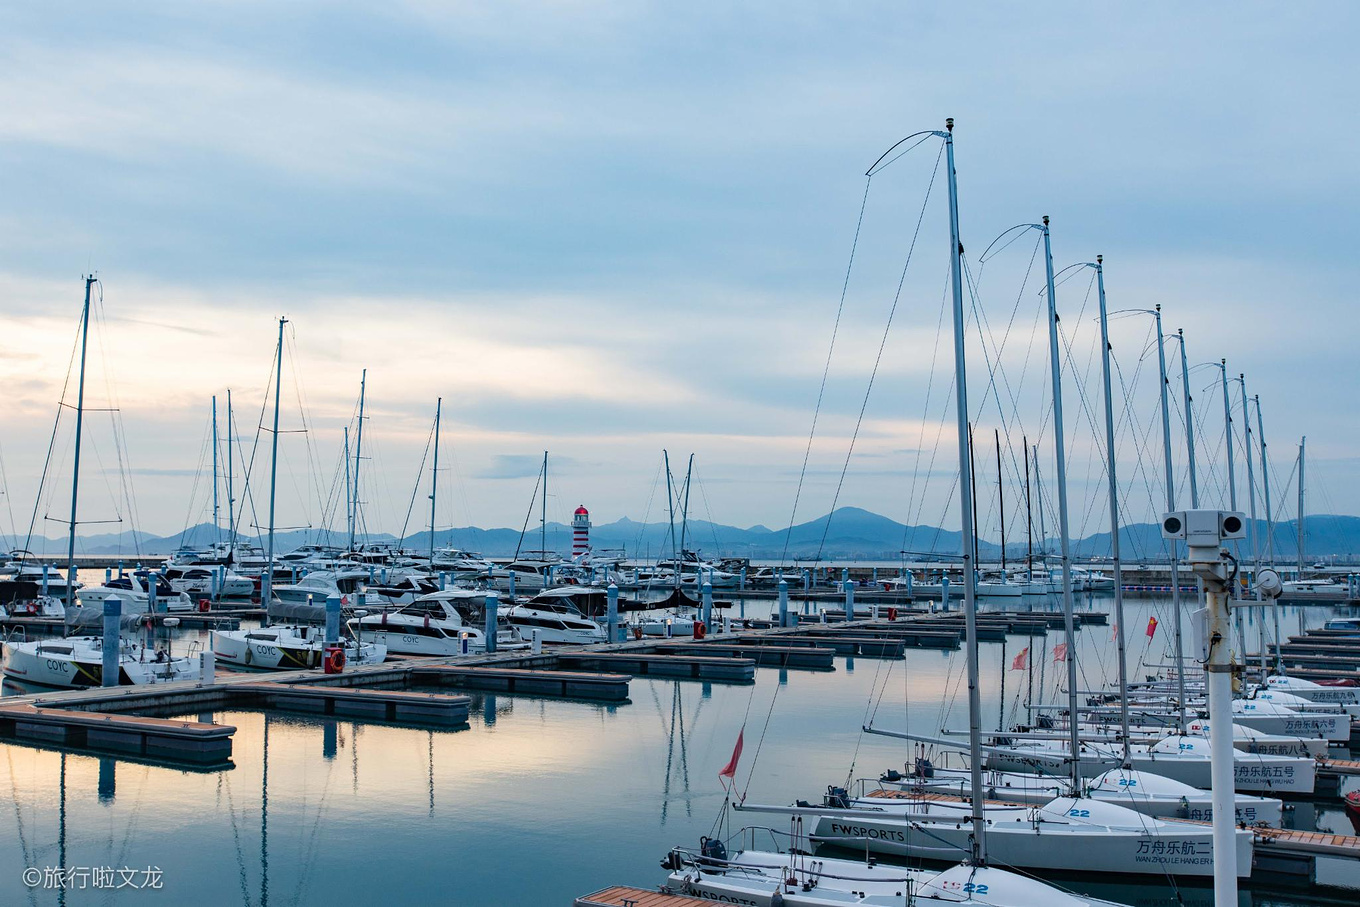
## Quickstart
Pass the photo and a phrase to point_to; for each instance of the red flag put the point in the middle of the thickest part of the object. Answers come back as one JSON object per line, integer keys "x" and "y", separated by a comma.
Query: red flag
{"x": 1021, "y": 661}
{"x": 730, "y": 769}
{"x": 1060, "y": 652}
{"x": 1152, "y": 627}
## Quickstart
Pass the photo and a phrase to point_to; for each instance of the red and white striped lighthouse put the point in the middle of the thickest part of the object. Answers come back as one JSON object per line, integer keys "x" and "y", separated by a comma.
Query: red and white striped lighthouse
{"x": 580, "y": 532}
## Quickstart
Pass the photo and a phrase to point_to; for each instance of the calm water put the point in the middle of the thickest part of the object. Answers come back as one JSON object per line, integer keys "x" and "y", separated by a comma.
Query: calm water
{"x": 535, "y": 802}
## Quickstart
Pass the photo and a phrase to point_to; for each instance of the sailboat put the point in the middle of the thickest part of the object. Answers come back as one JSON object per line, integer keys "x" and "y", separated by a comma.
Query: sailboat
{"x": 285, "y": 646}
{"x": 78, "y": 661}
{"x": 1109, "y": 836}
{"x": 975, "y": 831}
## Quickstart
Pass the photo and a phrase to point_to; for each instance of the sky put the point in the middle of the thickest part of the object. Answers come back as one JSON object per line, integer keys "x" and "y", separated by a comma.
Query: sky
{"x": 612, "y": 230}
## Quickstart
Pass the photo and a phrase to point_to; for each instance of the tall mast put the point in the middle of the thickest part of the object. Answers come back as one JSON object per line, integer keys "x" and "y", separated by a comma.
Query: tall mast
{"x": 1302, "y": 444}
{"x": 1039, "y": 493}
{"x": 1114, "y": 511}
{"x": 684, "y": 510}
{"x": 434, "y": 473}
{"x": 1029, "y": 519}
{"x": 75, "y": 472}
{"x": 1270, "y": 522}
{"x": 1170, "y": 506}
{"x": 670, "y": 506}
{"x": 349, "y": 489}
{"x": 1060, "y": 453}
{"x": 1232, "y": 475}
{"x": 543, "y": 513}
{"x": 1189, "y": 422}
{"x": 217, "y": 519}
{"x": 972, "y": 480}
{"x": 358, "y": 454}
{"x": 267, "y": 581}
{"x": 231, "y": 500}
{"x": 1001, "y": 501}
{"x": 979, "y": 839}
{"x": 1255, "y": 539}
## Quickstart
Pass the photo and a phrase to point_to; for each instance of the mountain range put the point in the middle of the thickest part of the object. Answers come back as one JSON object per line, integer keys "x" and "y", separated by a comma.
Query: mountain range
{"x": 847, "y": 533}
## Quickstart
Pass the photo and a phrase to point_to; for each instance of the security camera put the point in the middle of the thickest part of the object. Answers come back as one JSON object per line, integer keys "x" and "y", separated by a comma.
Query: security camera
{"x": 1203, "y": 528}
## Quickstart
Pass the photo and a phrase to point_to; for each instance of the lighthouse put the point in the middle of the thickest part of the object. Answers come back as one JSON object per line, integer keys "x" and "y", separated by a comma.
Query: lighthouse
{"x": 580, "y": 532}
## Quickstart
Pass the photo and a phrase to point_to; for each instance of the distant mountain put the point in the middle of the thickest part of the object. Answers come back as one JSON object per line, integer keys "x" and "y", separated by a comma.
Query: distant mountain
{"x": 848, "y": 533}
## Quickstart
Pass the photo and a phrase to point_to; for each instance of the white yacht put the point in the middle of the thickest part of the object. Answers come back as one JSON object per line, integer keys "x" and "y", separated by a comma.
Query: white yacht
{"x": 438, "y": 624}
{"x": 556, "y": 619}
{"x": 288, "y": 647}
{"x": 78, "y": 661}
{"x": 196, "y": 582}
{"x": 134, "y": 590}
{"x": 402, "y": 590}
{"x": 322, "y": 584}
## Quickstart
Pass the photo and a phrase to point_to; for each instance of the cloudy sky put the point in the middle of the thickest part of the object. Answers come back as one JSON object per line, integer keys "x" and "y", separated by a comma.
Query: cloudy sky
{"x": 605, "y": 230}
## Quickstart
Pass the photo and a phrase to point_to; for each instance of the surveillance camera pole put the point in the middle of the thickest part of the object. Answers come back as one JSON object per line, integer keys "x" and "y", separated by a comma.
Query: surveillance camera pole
{"x": 1209, "y": 564}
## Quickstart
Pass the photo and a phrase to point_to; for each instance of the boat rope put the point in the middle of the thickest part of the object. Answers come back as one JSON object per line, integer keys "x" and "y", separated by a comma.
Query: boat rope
{"x": 528, "y": 514}
{"x": 826, "y": 369}
{"x": 878, "y": 358}
{"x": 415, "y": 488}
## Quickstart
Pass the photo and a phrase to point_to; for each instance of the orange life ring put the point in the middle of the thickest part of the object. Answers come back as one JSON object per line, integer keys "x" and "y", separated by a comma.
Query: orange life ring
{"x": 700, "y": 631}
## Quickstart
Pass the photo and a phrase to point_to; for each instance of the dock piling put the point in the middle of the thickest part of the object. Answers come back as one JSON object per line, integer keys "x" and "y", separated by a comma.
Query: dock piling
{"x": 612, "y": 611}
{"x": 783, "y": 603}
{"x": 707, "y": 597}
{"x": 332, "y": 619}
{"x": 113, "y": 614}
{"x": 491, "y": 603}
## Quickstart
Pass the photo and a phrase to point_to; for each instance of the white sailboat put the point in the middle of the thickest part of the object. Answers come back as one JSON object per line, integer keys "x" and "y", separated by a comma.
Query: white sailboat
{"x": 974, "y": 831}
{"x": 78, "y": 661}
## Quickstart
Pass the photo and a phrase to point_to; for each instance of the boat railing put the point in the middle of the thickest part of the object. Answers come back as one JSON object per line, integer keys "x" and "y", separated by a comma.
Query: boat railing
{"x": 16, "y": 634}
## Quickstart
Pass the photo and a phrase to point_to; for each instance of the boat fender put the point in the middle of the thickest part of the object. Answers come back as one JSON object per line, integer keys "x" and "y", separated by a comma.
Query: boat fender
{"x": 427, "y": 620}
{"x": 777, "y": 898}
{"x": 249, "y": 657}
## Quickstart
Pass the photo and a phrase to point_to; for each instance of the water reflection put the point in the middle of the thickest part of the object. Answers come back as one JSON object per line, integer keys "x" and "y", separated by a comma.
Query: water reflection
{"x": 586, "y": 794}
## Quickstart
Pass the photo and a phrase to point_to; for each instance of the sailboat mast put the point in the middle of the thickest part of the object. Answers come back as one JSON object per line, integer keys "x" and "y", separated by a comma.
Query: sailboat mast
{"x": 1302, "y": 444}
{"x": 1255, "y": 540}
{"x": 267, "y": 580}
{"x": 543, "y": 513}
{"x": 349, "y": 489}
{"x": 1029, "y": 519}
{"x": 972, "y": 481}
{"x": 1270, "y": 520}
{"x": 1039, "y": 493}
{"x": 1232, "y": 483}
{"x": 1114, "y": 511}
{"x": 358, "y": 454}
{"x": 231, "y": 500}
{"x": 434, "y": 474}
{"x": 75, "y": 472}
{"x": 1001, "y": 501}
{"x": 1189, "y": 422}
{"x": 670, "y": 506}
{"x": 1170, "y": 506}
{"x": 1060, "y": 454}
{"x": 684, "y": 509}
{"x": 217, "y": 518}
{"x": 979, "y": 836}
